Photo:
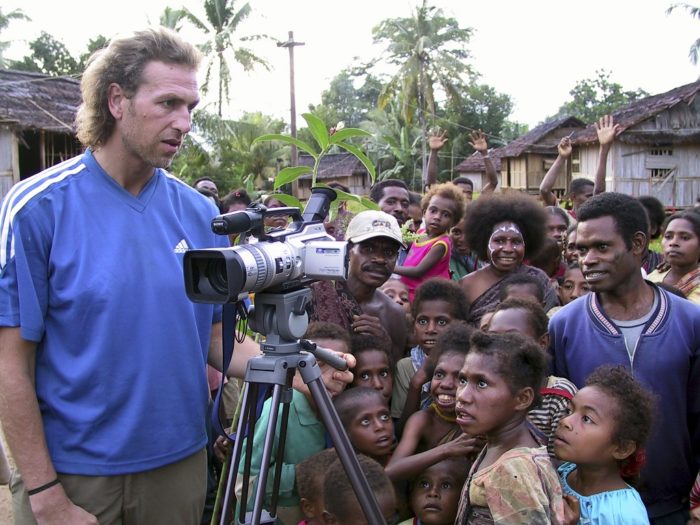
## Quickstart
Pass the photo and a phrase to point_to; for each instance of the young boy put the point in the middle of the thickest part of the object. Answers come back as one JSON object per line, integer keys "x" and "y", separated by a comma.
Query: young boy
{"x": 342, "y": 505}
{"x": 309, "y": 475}
{"x": 438, "y": 303}
{"x": 374, "y": 368}
{"x": 435, "y": 492}
{"x": 365, "y": 416}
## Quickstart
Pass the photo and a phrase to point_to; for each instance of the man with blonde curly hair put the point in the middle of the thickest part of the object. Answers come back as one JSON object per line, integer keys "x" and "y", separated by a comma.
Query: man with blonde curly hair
{"x": 103, "y": 391}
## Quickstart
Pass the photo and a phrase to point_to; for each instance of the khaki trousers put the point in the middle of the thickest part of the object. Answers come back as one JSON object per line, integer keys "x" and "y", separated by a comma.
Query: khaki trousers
{"x": 172, "y": 495}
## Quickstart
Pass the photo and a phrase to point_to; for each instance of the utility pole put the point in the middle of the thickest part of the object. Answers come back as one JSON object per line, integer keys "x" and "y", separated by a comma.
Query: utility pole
{"x": 290, "y": 44}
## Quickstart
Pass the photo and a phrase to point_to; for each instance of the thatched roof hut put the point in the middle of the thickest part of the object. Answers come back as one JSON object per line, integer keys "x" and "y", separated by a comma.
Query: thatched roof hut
{"x": 37, "y": 115}
{"x": 37, "y": 101}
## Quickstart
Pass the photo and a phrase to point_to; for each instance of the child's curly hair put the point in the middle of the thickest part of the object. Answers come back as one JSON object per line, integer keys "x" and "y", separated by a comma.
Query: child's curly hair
{"x": 440, "y": 289}
{"x": 484, "y": 213}
{"x": 446, "y": 191}
{"x": 634, "y": 412}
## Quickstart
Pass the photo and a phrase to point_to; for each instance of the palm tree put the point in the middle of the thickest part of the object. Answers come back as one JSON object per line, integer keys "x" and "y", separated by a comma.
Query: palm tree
{"x": 172, "y": 18}
{"x": 15, "y": 14}
{"x": 221, "y": 26}
{"x": 694, "y": 12}
{"x": 430, "y": 51}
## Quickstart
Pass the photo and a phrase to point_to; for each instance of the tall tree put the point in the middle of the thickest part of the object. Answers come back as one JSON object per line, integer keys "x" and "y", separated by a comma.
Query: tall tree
{"x": 430, "y": 52}
{"x": 172, "y": 18}
{"x": 95, "y": 44}
{"x": 480, "y": 106}
{"x": 49, "y": 56}
{"x": 5, "y": 19}
{"x": 221, "y": 28}
{"x": 694, "y": 12}
{"x": 396, "y": 148}
{"x": 342, "y": 101}
{"x": 594, "y": 97}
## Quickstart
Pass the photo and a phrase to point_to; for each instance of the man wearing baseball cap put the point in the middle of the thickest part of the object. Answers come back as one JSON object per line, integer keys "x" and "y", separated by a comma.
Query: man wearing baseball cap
{"x": 374, "y": 239}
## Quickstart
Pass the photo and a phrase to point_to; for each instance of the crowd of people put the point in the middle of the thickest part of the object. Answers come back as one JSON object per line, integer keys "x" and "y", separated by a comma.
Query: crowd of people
{"x": 514, "y": 363}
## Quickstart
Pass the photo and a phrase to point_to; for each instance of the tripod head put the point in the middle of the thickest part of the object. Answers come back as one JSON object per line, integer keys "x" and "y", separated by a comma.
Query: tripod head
{"x": 282, "y": 318}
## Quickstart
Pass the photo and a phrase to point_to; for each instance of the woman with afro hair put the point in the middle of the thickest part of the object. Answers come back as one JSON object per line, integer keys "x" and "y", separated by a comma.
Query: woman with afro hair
{"x": 503, "y": 230}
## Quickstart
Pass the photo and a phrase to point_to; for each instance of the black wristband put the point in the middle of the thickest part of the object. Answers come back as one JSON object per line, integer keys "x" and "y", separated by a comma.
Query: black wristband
{"x": 43, "y": 487}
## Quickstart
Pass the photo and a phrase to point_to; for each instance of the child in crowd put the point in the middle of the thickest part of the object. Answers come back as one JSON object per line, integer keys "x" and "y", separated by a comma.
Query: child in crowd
{"x": 548, "y": 259}
{"x": 525, "y": 317}
{"x": 573, "y": 285}
{"x": 463, "y": 261}
{"x": 365, "y": 416}
{"x": 309, "y": 474}
{"x": 438, "y": 303}
{"x": 570, "y": 251}
{"x": 415, "y": 213}
{"x": 601, "y": 441}
{"x": 435, "y": 492}
{"x": 374, "y": 368}
{"x": 306, "y": 434}
{"x": 443, "y": 207}
{"x": 432, "y": 434}
{"x": 398, "y": 291}
{"x": 513, "y": 480}
{"x": 342, "y": 505}
{"x": 522, "y": 285}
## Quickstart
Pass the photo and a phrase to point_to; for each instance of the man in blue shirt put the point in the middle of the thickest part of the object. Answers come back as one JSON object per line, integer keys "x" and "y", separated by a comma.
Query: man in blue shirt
{"x": 631, "y": 322}
{"x": 102, "y": 356}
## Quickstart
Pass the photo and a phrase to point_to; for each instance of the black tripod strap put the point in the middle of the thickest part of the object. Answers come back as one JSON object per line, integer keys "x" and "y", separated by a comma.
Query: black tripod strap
{"x": 228, "y": 323}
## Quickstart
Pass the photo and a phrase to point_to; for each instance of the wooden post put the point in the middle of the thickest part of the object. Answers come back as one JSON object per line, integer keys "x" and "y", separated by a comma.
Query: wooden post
{"x": 290, "y": 44}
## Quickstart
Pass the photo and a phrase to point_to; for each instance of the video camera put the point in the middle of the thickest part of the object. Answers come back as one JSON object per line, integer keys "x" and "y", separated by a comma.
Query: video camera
{"x": 282, "y": 260}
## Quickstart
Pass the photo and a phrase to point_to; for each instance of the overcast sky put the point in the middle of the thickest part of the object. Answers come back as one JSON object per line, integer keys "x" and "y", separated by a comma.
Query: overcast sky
{"x": 535, "y": 50}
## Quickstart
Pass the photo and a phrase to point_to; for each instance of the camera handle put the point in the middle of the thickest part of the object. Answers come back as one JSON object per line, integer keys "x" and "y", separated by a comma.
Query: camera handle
{"x": 282, "y": 317}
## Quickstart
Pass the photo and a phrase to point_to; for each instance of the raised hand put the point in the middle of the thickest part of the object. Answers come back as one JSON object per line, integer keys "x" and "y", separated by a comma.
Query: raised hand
{"x": 437, "y": 140}
{"x": 478, "y": 141}
{"x": 607, "y": 130}
{"x": 565, "y": 147}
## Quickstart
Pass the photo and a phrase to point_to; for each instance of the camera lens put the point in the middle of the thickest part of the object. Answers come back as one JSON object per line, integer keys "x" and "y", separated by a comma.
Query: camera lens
{"x": 216, "y": 272}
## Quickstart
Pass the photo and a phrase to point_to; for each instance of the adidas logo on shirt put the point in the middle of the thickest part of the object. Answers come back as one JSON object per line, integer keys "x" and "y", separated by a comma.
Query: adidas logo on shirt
{"x": 181, "y": 247}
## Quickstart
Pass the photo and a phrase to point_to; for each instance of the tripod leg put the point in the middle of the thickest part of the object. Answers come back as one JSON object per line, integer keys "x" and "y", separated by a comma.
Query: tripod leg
{"x": 244, "y": 420}
{"x": 346, "y": 453}
{"x": 267, "y": 453}
{"x": 282, "y": 441}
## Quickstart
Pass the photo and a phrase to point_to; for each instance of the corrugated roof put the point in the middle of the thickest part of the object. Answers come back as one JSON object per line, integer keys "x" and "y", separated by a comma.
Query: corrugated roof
{"x": 37, "y": 101}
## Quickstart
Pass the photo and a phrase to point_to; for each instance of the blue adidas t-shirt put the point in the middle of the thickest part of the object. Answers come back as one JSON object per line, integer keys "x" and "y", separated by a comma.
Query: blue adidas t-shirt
{"x": 94, "y": 275}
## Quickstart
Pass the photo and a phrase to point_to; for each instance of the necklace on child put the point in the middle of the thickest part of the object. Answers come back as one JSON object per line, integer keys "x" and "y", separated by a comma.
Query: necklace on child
{"x": 441, "y": 414}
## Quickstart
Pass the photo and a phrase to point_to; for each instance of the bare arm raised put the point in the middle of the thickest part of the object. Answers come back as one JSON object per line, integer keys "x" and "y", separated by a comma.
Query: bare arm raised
{"x": 436, "y": 141}
{"x": 607, "y": 131}
{"x": 478, "y": 142}
{"x": 547, "y": 184}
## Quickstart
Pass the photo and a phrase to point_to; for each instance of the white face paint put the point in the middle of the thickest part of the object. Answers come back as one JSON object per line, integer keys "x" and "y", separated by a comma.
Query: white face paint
{"x": 502, "y": 227}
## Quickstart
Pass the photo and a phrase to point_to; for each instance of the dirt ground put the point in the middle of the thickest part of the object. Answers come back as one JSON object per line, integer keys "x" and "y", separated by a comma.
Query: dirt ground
{"x": 5, "y": 500}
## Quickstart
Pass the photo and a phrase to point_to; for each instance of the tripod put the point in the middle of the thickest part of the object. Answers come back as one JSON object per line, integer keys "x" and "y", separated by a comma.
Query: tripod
{"x": 282, "y": 318}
